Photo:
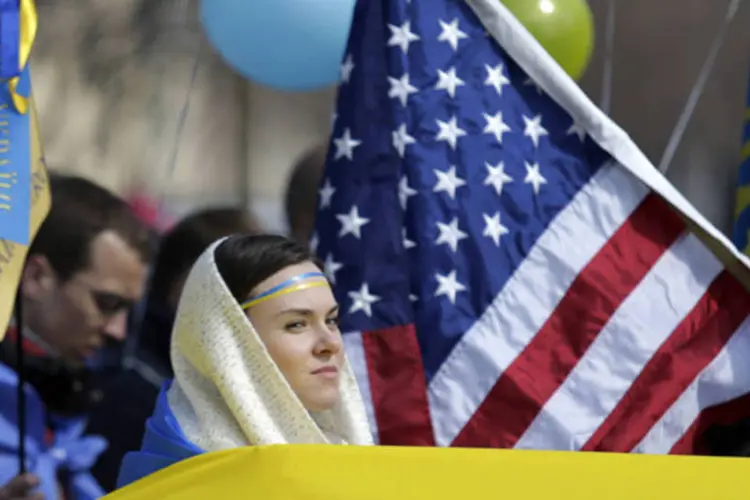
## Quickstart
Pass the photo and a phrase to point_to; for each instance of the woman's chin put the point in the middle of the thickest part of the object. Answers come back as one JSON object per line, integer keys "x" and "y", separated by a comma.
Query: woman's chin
{"x": 325, "y": 400}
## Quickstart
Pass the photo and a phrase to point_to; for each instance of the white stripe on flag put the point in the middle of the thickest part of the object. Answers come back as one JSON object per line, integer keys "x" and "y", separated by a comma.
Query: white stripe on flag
{"x": 727, "y": 377}
{"x": 355, "y": 352}
{"x": 522, "y": 307}
{"x": 667, "y": 294}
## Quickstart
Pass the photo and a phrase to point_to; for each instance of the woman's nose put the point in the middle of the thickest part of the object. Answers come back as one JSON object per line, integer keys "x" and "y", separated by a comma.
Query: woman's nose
{"x": 329, "y": 340}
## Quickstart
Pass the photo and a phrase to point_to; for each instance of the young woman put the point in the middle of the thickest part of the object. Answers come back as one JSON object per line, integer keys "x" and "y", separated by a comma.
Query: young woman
{"x": 257, "y": 356}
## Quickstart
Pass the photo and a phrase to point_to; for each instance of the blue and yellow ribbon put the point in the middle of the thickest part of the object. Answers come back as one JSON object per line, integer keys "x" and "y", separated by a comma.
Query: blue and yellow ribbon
{"x": 300, "y": 282}
{"x": 28, "y": 24}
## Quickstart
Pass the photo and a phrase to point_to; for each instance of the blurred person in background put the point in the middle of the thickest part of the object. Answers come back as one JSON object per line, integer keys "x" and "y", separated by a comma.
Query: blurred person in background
{"x": 84, "y": 271}
{"x": 129, "y": 400}
{"x": 301, "y": 198}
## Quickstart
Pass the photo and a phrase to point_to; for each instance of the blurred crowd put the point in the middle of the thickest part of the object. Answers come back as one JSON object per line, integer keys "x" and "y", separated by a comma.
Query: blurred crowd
{"x": 99, "y": 293}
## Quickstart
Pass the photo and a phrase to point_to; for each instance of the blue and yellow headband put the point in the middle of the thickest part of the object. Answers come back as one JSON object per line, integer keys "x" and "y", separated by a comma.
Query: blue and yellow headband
{"x": 291, "y": 285}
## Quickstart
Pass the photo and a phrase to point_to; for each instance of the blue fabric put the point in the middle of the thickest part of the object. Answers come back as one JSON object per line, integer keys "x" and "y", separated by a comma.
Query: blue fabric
{"x": 164, "y": 444}
{"x": 17, "y": 164}
{"x": 10, "y": 39}
{"x": 146, "y": 366}
{"x": 71, "y": 451}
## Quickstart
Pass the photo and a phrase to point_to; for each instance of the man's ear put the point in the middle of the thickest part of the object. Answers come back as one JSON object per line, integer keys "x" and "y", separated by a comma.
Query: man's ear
{"x": 38, "y": 278}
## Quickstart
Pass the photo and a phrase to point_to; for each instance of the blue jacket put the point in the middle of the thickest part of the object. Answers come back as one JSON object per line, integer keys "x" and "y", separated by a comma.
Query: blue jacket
{"x": 144, "y": 367}
{"x": 164, "y": 444}
{"x": 70, "y": 451}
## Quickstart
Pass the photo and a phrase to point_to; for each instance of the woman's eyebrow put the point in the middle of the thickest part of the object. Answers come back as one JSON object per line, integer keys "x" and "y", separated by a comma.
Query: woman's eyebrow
{"x": 306, "y": 312}
{"x": 301, "y": 312}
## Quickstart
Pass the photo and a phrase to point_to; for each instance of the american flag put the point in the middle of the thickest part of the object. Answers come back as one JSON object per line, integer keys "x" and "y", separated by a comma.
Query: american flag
{"x": 507, "y": 279}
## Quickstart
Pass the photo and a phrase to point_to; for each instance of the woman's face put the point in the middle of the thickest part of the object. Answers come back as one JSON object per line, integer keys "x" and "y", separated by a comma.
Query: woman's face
{"x": 300, "y": 331}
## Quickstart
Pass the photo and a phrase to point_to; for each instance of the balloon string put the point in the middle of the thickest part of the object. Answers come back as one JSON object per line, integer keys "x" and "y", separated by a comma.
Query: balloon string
{"x": 697, "y": 91}
{"x": 609, "y": 61}
{"x": 181, "y": 121}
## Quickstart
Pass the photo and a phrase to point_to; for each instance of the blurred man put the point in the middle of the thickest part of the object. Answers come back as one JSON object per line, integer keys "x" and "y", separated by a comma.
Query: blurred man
{"x": 123, "y": 424}
{"x": 85, "y": 270}
{"x": 301, "y": 197}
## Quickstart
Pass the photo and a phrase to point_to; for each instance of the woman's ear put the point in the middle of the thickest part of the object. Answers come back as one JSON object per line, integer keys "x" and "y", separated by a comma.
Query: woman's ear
{"x": 38, "y": 278}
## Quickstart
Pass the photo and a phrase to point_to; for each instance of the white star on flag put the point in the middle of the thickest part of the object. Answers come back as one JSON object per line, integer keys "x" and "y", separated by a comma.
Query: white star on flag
{"x": 402, "y": 139}
{"x": 450, "y": 234}
{"x": 326, "y": 193}
{"x": 495, "y": 125}
{"x": 362, "y": 300}
{"x": 577, "y": 129}
{"x": 493, "y": 228}
{"x": 496, "y": 78}
{"x": 496, "y": 177}
{"x": 534, "y": 176}
{"x": 450, "y": 132}
{"x": 449, "y": 286}
{"x": 345, "y": 146}
{"x": 448, "y": 182}
{"x": 448, "y": 81}
{"x": 406, "y": 241}
{"x": 352, "y": 223}
{"x": 401, "y": 88}
{"x": 534, "y": 129}
{"x": 331, "y": 267}
{"x": 531, "y": 83}
{"x": 346, "y": 69}
{"x": 402, "y": 36}
{"x": 451, "y": 33}
{"x": 404, "y": 191}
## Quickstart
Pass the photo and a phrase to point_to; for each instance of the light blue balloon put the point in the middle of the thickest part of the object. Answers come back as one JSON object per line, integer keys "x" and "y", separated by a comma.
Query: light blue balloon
{"x": 285, "y": 44}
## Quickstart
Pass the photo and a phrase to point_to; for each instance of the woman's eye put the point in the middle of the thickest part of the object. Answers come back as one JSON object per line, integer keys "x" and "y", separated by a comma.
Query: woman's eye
{"x": 295, "y": 325}
{"x": 333, "y": 321}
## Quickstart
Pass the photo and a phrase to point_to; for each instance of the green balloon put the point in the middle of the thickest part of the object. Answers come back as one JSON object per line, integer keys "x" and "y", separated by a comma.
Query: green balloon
{"x": 565, "y": 28}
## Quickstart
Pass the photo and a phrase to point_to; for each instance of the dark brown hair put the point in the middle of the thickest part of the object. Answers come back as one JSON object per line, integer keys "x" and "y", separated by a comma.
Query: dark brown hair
{"x": 80, "y": 211}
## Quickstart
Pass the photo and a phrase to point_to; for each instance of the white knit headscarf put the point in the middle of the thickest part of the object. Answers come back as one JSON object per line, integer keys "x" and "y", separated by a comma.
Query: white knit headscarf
{"x": 228, "y": 392}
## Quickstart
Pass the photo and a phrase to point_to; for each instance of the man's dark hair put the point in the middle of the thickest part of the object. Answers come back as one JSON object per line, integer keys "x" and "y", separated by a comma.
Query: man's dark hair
{"x": 245, "y": 261}
{"x": 185, "y": 242}
{"x": 301, "y": 196}
{"x": 80, "y": 211}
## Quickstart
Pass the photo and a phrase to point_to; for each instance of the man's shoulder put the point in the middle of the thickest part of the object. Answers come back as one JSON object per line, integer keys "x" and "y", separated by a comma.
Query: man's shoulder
{"x": 8, "y": 377}
{"x": 9, "y": 410}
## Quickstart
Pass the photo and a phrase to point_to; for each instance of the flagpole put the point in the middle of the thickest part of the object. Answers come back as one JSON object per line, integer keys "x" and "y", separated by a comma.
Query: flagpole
{"x": 609, "y": 61}
{"x": 697, "y": 91}
{"x": 20, "y": 392}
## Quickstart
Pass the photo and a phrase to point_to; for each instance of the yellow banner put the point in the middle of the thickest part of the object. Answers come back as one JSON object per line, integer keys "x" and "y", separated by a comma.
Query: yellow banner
{"x": 13, "y": 255}
{"x": 306, "y": 472}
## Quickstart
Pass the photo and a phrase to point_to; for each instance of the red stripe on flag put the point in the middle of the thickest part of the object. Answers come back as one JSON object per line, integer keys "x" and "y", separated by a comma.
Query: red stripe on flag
{"x": 398, "y": 386}
{"x": 727, "y": 413}
{"x": 596, "y": 293}
{"x": 688, "y": 350}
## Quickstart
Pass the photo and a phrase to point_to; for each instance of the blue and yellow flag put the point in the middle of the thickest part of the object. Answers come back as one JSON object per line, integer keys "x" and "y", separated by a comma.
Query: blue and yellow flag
{"x": 328, "y": 472}
{"x": 24, "y": 191}
{"x": 741, "y": 230}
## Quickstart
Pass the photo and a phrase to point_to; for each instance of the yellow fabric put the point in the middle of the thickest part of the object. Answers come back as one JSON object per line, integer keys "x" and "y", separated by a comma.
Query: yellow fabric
{"x": 13, "y": 255}
{"x": 327, "y": 472}
{"x": 29, "y": 23}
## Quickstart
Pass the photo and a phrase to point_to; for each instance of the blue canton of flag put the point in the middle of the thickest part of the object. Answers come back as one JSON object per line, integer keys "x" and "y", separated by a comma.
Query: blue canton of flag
{"x": 491, "y": 259}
